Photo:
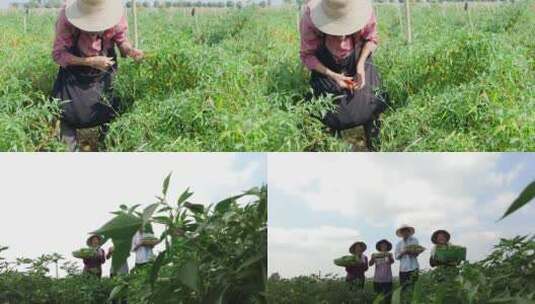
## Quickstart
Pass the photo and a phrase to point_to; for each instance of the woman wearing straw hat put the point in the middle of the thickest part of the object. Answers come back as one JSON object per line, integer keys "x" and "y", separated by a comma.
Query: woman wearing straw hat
{"x": 382, "y": 279}
{"x": 440, "y": 238}
{"x": 93, "y": 265}
{"x": 337, "y": 40}
{"x": 355, "y": 274}
{"x": 408, "y": 261}
{"x": 87, "y": 32}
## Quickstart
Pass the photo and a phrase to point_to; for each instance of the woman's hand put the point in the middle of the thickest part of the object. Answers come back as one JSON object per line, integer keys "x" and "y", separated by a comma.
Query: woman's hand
{"x": 344, "y": 82}
{"x": 100, "y": 62}
{"x": 136, "y": 54}
{"x": 361, "y": 77}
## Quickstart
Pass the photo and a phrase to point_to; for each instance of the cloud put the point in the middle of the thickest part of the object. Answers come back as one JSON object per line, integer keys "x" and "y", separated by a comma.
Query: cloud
{"x": 427, "y": 188}
{"x": 295, "y": 251}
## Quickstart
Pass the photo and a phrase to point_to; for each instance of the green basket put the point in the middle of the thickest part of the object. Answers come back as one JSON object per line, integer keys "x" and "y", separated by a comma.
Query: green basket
{"x": 450, "y": 254}
{"x": 84, "y": 253}
{"x": 347, "y": 260}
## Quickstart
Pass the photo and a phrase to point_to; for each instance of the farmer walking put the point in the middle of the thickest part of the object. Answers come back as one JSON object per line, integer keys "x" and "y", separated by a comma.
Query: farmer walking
{"x": 338, "y": 38}
{"x": 87, "y": 32}
{"x": 408, "y": 261}
{"x": 93, "y": 265}
{"x": 355, "y": 274}
{"x": 382, "y": 279}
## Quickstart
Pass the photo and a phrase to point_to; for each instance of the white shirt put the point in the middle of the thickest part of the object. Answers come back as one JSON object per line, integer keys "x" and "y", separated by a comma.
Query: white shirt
{"x": 407, "y": 262}
{"x": 144, "y": 254}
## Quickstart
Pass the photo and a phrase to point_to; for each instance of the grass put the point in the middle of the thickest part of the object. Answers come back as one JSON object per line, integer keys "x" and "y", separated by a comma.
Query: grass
{"x": 233, "y": 82}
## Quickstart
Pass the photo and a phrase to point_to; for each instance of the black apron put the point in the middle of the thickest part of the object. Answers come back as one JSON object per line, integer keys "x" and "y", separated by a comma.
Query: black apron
{"x": 352, "y": 108}
{"x": 86, "y": 94}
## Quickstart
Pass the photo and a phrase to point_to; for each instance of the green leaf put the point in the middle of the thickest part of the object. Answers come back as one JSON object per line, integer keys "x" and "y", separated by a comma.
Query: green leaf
{"x": 195, "y": 208}
{"x": 148, "y": 212}
{"x": 184, "y": 196}
{"x": 121, "y": 229}
{"x": 189, "y": 275}
{"x": 118, "y": 292}
{"x": 224, "y": 205}
{"x": 525, "y": 197}
{"x": 133, "y": 208}
{"x": 156, "y": 267}
{"x": 165, "y": 186}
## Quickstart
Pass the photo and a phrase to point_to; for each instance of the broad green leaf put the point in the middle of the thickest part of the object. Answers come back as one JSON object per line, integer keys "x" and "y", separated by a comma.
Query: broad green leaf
{"x": 183, "y": 197}
{"x": 195, "y": 208}
{"x": 189, "y": 275}
{"x": 120, "y": 225}
{"x": 165, "y": 186}
{"x": 121, "y": 229}
{"x": 525, "y": 197}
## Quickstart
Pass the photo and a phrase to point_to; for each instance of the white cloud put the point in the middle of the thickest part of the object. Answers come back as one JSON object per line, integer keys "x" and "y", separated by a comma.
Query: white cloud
{"x": 427, "y": 188}
{"x": 295, "y": 251}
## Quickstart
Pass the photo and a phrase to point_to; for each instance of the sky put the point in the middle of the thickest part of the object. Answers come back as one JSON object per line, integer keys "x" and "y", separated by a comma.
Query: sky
{"x": 50, "y": 202}
{"x": 330, "y": 200}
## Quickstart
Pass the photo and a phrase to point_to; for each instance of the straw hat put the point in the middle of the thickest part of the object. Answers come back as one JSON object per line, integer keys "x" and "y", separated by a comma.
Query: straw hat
{"x": 88, "y": 242}
{"x": 94, "y": 15}
{"x": 435, "y": 234}
{"x": 410, "y": 228}
{"x": 352, "y": 248}
{"x": 388, "y": 245}
{"x": 340, "y": 17}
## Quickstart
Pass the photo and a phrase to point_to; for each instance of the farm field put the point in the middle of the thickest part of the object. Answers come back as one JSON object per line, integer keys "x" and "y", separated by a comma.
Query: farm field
{"x": 232, "y": 81}
{"x": 504, "y": 276}
{"x": 211, "y": 254}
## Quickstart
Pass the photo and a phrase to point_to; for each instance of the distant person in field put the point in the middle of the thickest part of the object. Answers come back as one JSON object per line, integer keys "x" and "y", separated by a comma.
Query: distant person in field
{"x": 87, "y": 32}
{"x": 338, "y": 38}
{"x": 382, "y": 279}
{"x": 93, "y": 266}
{"x": 439, "y": 238}
{"x": 408, "y": 261}
{"x": 142, "y": 249}
{"x": 355, "y": 274}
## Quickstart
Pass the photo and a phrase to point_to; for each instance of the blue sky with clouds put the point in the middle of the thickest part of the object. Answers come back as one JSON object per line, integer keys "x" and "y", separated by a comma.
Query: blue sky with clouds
{"x": 320, "y": 203}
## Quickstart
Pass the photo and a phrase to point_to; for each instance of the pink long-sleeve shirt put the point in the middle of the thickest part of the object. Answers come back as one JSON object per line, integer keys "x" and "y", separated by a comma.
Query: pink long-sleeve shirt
{"x": 340, "y": 47}
{"x": 89, "y": 44}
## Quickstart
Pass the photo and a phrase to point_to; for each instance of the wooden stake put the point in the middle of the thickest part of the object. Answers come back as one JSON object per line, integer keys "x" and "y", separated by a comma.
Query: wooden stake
{"x": 25, "y": 21}
{"x": 134, "y": 13}
{"x": 408, "y": 21}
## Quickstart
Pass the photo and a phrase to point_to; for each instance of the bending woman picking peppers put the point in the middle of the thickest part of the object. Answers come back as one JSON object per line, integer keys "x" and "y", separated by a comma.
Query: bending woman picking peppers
{"x": 337, "y": 40}
{"x": 87, "y": 32}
